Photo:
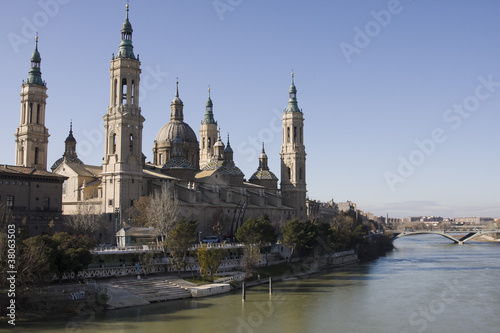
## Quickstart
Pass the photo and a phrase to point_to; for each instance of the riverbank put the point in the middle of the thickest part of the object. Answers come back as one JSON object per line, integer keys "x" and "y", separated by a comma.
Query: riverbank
{"x": 125, "y": 292}
{"x": 487, "y": 238}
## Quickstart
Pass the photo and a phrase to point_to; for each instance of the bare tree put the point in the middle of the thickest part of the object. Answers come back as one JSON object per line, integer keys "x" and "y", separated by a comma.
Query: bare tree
{"x": 163, "y": 211}
{"x": 138, "y": 212}
{"x": 87, "y": 220}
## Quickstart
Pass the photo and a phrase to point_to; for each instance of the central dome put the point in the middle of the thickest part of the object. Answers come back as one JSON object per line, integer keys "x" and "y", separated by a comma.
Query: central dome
{"x": 170, "y": 130}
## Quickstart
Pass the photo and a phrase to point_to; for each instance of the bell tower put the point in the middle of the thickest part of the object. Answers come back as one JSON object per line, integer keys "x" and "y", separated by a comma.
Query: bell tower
{"x": 32, "y": 137}
{"x": 293, "y": 156}
{"x": 123, "y": 122}
{"x": 208, "y": 133}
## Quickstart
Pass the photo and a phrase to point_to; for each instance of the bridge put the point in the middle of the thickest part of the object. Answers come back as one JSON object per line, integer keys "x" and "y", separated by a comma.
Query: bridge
{"x": 471, "y": 234}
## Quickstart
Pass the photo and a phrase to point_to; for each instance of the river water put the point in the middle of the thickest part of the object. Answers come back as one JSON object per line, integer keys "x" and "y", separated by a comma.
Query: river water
{"x": 427, "y": 284}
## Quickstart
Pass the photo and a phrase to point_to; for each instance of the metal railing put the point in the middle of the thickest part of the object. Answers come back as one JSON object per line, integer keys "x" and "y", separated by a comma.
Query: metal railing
{"x": 142, "y": 248}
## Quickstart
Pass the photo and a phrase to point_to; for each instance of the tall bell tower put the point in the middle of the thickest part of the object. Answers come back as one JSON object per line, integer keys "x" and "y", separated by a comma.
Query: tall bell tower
{"x": 208, "y": 133}
{"x": 293, "y": 156}
{"x": 32, "y": 137}
{"x": 122, "y": 162}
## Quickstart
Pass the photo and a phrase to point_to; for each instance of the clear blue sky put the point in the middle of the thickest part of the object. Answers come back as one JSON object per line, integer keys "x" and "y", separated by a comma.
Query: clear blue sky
{"x": 401, "y": 99}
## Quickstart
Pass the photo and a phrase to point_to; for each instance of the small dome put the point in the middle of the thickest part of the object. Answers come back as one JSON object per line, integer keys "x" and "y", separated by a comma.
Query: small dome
{"x": 170, "y": 131}
{"x": 35, "y": 57}
{"x": 70, "y": 138}
{"x": 219, "y": 144}
{"x": 228, "y": 149}
{"x": 176, "y": 101}
{"x": 126, "y": 26}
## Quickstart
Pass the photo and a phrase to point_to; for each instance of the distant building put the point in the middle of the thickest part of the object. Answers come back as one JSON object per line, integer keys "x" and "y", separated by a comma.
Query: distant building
{"x": 346, "y": 206}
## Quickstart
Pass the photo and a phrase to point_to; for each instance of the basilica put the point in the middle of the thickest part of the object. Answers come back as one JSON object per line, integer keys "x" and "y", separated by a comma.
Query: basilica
{"x": 199, "y": 170}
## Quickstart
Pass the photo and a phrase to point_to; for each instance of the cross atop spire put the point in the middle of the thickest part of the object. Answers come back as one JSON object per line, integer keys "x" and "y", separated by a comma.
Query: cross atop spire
{"x": 126, "y": 48}
{"x": 292, "y": 100}
{"x": 34, "y": 74}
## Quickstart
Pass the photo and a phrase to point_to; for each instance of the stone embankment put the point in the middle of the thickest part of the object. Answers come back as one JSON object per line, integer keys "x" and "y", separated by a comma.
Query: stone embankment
{"x": 125, "y": 293}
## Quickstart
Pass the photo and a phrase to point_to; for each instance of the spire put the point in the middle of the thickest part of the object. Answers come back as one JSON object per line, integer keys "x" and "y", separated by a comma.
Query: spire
{"x": 263, "y": 159}
{"x": 228, "y": 146}
{"x": 176, "y": 107}
{"x": 209, "y": 115}
{"x": 126, "y": 49}
{"x": 228, "y": 153}
{"x": 292, "y": 100}
{"x": 70, "y": 144}
{"x": 70, "y": 136}
{"x": 219, "y": 147}
{"x": 34, "y": 74}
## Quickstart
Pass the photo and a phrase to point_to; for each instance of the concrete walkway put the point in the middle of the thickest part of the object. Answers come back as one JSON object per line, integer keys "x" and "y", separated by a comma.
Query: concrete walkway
{"x": 132, "y": 292}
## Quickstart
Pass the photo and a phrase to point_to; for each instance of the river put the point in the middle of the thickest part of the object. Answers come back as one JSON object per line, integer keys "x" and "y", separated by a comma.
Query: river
{"x": 427, "y": 284}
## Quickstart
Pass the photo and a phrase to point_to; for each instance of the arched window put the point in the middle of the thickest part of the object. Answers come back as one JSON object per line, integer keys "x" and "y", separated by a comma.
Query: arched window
{"x": 131, "y": 143}
{"x": 209, "y": 144}
{"x": 295, "y": 134}
{"x": 36, "y": 155}
{"x": 115, "y": 92}
{"x": 289, "y": 171}
{"x": 203, "y": 143}
{"x": 124, "y": 91}
{"x": 288, "y": 134}
{"x": 300, "y": 173}
{"x": 114, "y": 143}
{"x": 30, "y": 114}
{"x": 160, "y": 159}
{"x": 23, "y": 120}
{"x": 133, "y": 92}
{"x": 38, "y": 113}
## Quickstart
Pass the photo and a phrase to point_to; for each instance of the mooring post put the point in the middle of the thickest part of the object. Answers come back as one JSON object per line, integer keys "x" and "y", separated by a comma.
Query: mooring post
{"x": 243, "y": 292}
{"x": 270, "y": 286}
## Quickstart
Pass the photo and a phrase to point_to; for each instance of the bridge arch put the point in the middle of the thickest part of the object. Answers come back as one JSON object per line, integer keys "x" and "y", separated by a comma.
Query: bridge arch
{"x": 411, "y": 233}
{"x": 479, "y": 233}
{"x": 471, "y": 234}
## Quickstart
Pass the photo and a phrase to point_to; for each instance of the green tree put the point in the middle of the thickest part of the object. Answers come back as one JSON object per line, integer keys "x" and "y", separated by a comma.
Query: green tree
{"x": 179, "y": 241}
{"x": 68, "y": 253}
{"x": 33, "y": 265}
{"x": 209, "y": 259}
{"x": 259, "y": 233}
{"x": 296, "y": 235}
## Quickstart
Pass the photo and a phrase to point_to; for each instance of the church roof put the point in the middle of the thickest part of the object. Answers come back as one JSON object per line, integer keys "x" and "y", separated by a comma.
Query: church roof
{"x": 263, "y": 174}
{"x": 223, "y": 168}
{"x": 68, "y": 159}
{"x": 24, "y": 171}
{"x": 178, "y": 163}
{"x": 170, "y": 130}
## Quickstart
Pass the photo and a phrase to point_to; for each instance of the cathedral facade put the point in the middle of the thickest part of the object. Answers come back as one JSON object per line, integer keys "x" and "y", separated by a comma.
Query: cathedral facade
{"x": 199, "y": 171}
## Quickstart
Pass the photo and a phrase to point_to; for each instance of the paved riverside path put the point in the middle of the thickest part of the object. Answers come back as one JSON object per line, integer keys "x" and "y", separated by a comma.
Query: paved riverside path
{"x": 131, "y": 292}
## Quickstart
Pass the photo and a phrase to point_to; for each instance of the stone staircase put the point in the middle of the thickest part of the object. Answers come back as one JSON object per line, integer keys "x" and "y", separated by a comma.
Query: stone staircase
{"x": 156, "y": 289}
